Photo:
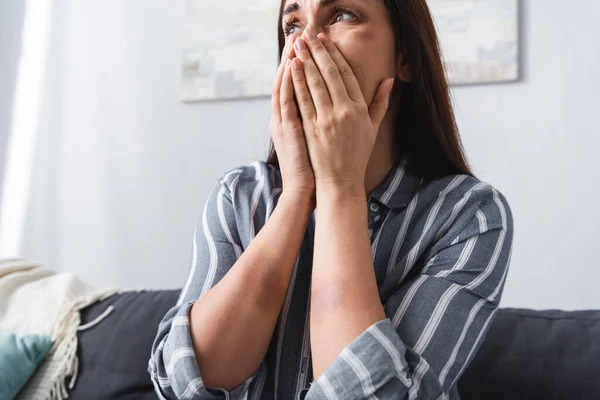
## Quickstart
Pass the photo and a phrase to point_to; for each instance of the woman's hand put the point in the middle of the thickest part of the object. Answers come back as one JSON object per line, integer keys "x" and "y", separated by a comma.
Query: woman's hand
{"x": 340, "y": 128}
{"x": 288, "y": 135}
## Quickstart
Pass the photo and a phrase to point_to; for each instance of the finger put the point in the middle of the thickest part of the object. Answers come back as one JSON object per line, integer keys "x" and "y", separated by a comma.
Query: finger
{"x": 276, "y": 88}
{"x": 327, "y": 67}
{"x": 348, "y": 76}
{"x": 315, "y": 82}
{"x": 303, "y": 94}
{"x": 381, "y": 101}
{"x": 292, "y": 53}
{"x": 289, "y": 111}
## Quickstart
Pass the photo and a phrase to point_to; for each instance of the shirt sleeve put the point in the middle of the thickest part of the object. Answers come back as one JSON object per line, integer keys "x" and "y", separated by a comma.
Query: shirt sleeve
{"x": 436, "y": 320}
{"x": 173, "y": 366}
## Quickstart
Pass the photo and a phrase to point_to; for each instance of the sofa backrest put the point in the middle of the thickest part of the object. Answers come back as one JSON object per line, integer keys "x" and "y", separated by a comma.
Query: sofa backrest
{"x": 527, "y": 354}
{"x": 530, "y": 354}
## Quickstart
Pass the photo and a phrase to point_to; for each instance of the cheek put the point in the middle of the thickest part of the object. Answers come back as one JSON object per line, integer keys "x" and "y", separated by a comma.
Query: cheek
{"x": 367, "y": 57}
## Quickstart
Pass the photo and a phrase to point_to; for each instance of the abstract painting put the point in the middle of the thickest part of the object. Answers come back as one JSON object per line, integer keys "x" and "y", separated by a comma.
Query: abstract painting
{"x": 230, "y": 48}
{"x": 479, "y": 39}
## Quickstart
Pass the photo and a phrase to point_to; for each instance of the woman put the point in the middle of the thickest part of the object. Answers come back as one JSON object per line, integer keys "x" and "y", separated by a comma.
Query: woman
{"x": 387, "y": 289}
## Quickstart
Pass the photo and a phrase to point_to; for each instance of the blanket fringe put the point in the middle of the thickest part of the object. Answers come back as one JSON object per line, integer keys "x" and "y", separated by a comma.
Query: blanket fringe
{"x": 65, "y": 348}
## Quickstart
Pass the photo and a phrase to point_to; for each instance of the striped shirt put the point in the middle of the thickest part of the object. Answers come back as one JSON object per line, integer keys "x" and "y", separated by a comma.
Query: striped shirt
{"x": 441, "y": 250}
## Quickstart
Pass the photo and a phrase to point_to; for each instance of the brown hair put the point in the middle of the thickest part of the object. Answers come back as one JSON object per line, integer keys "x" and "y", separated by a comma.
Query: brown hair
{"x": 426, "y": 130}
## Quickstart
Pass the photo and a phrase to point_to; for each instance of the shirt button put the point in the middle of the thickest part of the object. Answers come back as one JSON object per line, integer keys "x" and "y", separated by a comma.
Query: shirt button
{"x": 374, "y": 207}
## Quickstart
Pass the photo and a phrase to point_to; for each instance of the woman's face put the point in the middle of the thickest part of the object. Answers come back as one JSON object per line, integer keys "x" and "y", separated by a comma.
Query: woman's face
{"x": 360, "y": 28}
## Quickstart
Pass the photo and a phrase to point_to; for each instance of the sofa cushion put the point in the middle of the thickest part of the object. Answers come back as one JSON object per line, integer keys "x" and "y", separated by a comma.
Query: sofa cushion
{"x": 20, "y": 355}
{"x": 531, "y": 354}
{"x": 527, "y": 354}
{"x": 113, "y": 355}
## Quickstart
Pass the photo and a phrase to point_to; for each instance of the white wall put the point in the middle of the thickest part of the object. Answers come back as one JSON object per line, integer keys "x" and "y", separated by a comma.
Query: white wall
{"x": 123, "y": 168}
{"x": 127, "y": 167}
{"x": 536, "y": 141}
{"x": 11, "y": 20}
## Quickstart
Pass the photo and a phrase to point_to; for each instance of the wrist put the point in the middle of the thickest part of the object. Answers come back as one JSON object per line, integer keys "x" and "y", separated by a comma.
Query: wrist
{"x": 299, "y": 198}
{"x": 341, "y": 191}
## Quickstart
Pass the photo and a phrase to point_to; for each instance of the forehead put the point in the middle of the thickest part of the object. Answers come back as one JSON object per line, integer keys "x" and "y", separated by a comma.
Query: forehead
{"x": 298, "y": 4}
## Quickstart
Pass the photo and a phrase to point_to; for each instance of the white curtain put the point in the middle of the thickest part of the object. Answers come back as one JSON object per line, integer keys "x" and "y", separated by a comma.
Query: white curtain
{"x": 17, "y": 144}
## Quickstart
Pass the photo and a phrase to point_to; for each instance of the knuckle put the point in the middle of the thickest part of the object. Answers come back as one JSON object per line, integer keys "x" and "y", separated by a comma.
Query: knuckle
{"x": 318, "y": 47}
{"x": 317, "y": 83}
{"x": 345, "y": 114}
{"x": 305, "y": 100}
{"x": 298, "y": 78}
{"x": 295, "y": 128}
{"x": 358, "y": 107}
{"x": 284, "y": 103}
{"x": 331, "y": 70}
{"x": 275, "y": 91}
{"x": 345, "y": 70}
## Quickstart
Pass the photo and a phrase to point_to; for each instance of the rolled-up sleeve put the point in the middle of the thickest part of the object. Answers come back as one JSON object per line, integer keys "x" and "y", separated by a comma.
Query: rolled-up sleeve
{"x": 173, "y": 366}
{"x": 436, "y": 320}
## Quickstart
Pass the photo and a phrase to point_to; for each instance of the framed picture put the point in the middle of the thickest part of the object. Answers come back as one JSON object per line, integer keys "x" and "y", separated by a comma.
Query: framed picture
{"x": 230, "y": 48}
{"x": 479, "y": 39}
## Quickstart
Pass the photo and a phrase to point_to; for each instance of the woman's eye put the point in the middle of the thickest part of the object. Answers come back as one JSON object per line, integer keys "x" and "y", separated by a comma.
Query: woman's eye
{"x": 289, "y": 26}
{"x": 290, "y": 29}
{"x": 340, "y": 16}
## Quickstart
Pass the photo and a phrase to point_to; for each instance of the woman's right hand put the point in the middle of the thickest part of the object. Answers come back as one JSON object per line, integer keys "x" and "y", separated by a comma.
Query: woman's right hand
{"x": 287, "y": 133}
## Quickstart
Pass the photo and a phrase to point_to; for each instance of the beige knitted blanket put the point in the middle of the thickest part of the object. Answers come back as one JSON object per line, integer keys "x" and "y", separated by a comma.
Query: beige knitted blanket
{"x": 34, "y": 299}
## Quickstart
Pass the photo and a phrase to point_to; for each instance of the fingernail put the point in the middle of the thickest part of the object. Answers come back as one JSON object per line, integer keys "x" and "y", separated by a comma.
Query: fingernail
{"x": 300, "y": 45}
{"x": 296, "y": 64}
{"x": 287, "y": 63}
{"x": 310, "y": 35}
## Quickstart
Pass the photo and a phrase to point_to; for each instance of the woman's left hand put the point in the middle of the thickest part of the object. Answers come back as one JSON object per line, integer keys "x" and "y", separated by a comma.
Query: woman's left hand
{"x": 339, "y": 126}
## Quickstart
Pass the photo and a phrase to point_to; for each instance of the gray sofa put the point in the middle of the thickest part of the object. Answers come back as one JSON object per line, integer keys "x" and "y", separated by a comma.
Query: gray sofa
{"x": 527, "y": 354}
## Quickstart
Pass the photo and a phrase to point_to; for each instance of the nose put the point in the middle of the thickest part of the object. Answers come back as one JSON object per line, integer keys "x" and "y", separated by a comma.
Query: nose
{"x": 315, "y": 29}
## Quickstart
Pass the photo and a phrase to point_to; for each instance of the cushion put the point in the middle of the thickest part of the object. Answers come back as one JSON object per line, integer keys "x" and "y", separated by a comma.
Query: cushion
{"x": 530, "y": 354}
{"x": 114, "y": 354}
{"x": 527, "y": 354}
{"x": 19, "y": 357}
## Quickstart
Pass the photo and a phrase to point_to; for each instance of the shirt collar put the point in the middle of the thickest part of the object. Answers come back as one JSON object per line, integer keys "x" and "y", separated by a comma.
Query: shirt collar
{"x": 398, "y": 187}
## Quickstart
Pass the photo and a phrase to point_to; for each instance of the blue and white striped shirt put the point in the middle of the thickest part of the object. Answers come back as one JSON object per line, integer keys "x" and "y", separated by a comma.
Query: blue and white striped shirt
{"x": 441, "y": 250}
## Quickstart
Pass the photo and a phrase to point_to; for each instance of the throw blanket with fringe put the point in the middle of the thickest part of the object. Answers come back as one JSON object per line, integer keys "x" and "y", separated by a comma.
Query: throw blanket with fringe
{"x": 36, "y": 300}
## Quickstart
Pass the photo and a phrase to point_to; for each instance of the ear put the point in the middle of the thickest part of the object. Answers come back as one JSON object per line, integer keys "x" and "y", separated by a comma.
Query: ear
{"x": 403, "y": 69}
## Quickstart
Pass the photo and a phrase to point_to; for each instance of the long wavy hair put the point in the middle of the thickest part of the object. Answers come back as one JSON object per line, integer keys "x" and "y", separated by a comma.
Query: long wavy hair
{"x": 425, "y": 131}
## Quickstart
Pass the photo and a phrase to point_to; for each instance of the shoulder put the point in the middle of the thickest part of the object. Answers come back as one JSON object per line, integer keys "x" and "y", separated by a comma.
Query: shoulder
{"x": 250, "y": 176}
{"x": 468, "y": 198}
{"x": 253, "y": 191}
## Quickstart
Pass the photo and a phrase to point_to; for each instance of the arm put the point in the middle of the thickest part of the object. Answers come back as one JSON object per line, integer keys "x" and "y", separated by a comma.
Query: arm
{"x": 233, "y": 299}
{"x": 344, "y": 296}
{"x": 433, "y": 323}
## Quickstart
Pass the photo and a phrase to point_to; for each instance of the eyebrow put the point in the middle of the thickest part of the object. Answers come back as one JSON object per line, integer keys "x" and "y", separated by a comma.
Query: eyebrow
{"x": 295, "y": 6}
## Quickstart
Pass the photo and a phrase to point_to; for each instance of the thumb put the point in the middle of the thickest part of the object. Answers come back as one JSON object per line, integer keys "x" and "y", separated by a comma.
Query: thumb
{"x": 381, "y": 101}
